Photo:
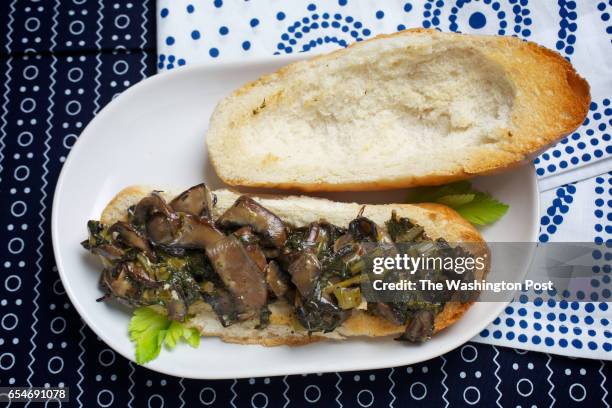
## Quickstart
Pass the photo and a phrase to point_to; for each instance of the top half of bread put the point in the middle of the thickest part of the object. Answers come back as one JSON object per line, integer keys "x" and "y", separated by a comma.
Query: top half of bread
{"x": 418, "y": 107}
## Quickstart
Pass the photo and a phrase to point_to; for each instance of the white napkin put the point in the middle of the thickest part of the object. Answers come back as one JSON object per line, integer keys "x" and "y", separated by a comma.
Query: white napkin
{"x": 577, "y": 212}
{"x": 206, "y": 32}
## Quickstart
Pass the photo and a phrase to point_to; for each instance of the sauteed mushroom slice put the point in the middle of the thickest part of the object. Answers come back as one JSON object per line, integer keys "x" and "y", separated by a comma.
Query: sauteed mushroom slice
{"x": 140, "y": 274}
{"x": 305, "y": 272}
{"x": 197, "y": 200}
{"x": 197, "y": 233}
{"x": 420, "y": 328}
{"x": 161, "y": 230}
{"x": 223, "y": 305}
{"x": 124, "y": 234}
{"x": 240, "y": 275}
{"x": 250, "y": 241}
{"x": 364, "y": 229}
{"x": 177, "y": 309}
{"x": 189, "y": 232}
{"x": 151, "y": 205}
{"x": 266, "y": 224}
{"x": 277, "y": 281}
{"x": 257, "y": 255}
{"x": 107, "y": 251}
{"x": 117, "y": 283}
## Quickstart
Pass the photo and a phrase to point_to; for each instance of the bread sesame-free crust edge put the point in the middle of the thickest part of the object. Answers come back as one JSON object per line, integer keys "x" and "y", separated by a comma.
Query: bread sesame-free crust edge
{"x": 527, "y": 144}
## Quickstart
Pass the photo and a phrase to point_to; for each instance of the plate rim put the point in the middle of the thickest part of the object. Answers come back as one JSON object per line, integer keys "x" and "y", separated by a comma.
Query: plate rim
{"x": 152, "y": 81}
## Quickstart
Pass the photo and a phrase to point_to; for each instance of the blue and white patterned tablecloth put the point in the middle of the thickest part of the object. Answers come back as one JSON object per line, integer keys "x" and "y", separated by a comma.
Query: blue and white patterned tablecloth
{"x": 61, "y": 61}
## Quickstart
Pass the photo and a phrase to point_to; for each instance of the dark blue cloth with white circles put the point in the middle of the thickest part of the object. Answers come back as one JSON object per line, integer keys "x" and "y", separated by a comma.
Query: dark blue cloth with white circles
{"x": 60, "y": 62}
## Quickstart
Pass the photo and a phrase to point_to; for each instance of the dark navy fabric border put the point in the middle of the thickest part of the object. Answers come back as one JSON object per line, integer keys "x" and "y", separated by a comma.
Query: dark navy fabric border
{"x": 60, "y": 62}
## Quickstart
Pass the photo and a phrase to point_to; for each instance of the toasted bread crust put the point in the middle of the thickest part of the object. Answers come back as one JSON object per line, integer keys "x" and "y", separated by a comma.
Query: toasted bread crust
{"x": 551, "y": 100}
{"x": 438, "y": 221}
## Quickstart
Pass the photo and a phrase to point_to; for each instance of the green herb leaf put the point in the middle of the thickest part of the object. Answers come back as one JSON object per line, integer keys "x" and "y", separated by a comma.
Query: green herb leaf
{"x": 475, "y": 206}
{"x": 174, "y": 334}
{"x": 483, "y": 209}
{"x": 149, "y": 330}
{"x": 456, "y": 200}
{"x": 192, "y": 336}
{"x": 433, "y": 193}
{"x": 177, "y": 330}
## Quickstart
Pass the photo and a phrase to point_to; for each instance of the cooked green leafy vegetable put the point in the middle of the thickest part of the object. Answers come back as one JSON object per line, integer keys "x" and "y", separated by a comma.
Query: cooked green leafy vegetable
{"x": 477, "y": 207}
{"x": 149, "y": 330}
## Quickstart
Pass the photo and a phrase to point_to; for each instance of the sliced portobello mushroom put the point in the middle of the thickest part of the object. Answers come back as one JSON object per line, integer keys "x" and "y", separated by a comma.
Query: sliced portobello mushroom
{"x": 109, "y": 252}
{"x": 138, "y": 273}
{"x": 224, "y": 306}
{"x": 197, "y": 200}
{"x": 250, "y": 241}
{"x": 420, "y": 327}
{"x": 276, "y": 279}
{"x": 115, "y": 282}
{"x": 305, "y": 272}
{"x": 266, "y": 224}
{"x": 153, "y": 204}
{"x": 364, "y": 229}
{"x": 187, "y": 232}
{"x": 126, "y": 235}
{"x": 239, "y": 273}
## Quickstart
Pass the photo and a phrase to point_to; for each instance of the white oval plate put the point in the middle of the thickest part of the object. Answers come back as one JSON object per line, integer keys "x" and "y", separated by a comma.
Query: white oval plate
{"x": 154, "y": 134}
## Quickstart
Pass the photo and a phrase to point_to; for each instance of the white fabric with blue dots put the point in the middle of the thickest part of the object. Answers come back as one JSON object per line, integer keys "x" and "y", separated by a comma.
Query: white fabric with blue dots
{"x": 575, "y": 175}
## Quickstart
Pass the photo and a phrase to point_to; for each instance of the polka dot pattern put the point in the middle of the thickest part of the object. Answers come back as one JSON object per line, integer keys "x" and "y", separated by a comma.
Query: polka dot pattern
{"x": 556, "y": 211}
{"x": 605, "y": 9}
{"x": 589, "y": 144}
{"x": 567, "y": 27}
{"x": 573, "y": 321}
{"x": 278, "y": 30}
{"x": 486, "y": 17}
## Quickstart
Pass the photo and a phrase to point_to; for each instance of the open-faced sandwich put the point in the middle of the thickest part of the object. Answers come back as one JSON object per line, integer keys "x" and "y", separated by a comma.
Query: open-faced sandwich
{"x": 274, "y": 270}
